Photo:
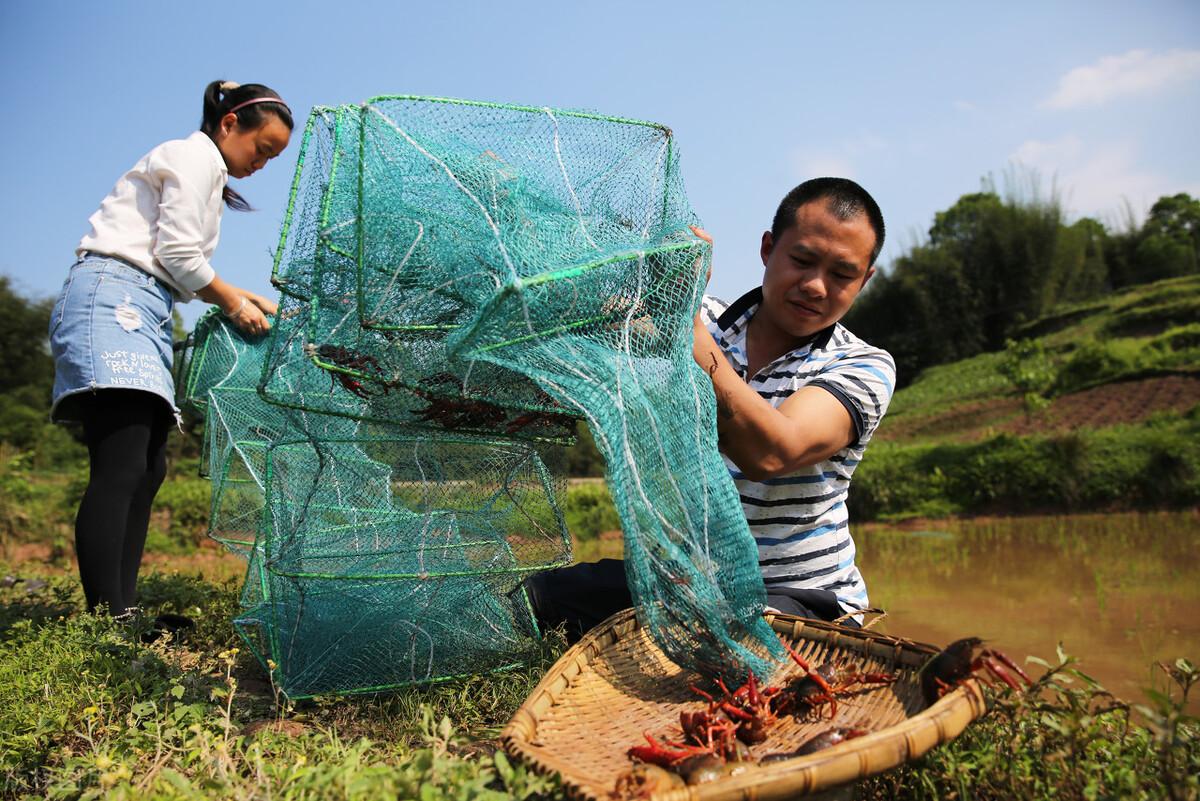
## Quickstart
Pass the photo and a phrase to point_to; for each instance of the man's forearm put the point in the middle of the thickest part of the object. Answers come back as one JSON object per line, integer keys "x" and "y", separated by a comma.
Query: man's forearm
{"x": 761, "y": 440}
{"x": 752, "y": 433}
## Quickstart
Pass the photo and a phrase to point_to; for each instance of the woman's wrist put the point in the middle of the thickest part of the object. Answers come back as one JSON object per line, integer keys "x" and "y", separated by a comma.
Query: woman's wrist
{"x": 237, "y": 309}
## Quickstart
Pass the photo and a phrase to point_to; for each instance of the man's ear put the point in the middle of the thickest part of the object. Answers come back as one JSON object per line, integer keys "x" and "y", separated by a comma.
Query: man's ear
{"x": 768, "y": 244}
{"x": 866, "y": 278}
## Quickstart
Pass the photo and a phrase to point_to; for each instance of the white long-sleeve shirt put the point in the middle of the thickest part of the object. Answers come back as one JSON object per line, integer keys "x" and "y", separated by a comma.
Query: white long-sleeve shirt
{"x": 164, "y": 215}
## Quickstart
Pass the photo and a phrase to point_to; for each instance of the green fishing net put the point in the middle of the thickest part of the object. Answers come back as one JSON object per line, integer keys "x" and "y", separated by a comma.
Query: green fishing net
{"x": 461, "y": 283}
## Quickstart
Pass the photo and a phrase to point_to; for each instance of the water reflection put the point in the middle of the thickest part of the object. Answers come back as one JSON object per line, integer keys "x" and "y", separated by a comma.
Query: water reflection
{"x": 1119, "y": 591}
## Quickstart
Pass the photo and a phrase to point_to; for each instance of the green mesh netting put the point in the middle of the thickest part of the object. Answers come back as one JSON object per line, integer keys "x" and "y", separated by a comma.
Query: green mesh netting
{"x": 460, "y": 283}
{"x": 377, "y": 556}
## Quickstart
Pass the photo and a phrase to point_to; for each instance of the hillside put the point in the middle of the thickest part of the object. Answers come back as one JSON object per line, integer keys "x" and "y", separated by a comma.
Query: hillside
{"x": 1096, "y": 406}
{"x": 1119, "y": 360}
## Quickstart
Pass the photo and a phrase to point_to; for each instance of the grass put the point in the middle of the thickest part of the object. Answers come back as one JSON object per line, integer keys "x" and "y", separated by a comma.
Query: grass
{"x": 88, "y": 711}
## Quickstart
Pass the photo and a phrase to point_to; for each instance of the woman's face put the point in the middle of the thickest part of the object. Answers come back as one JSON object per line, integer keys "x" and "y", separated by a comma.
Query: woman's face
{"x": 247, "y": 150}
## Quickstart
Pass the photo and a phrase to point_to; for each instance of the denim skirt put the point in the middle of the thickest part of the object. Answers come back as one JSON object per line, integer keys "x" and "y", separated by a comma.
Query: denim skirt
{"x": 110, "y": 329}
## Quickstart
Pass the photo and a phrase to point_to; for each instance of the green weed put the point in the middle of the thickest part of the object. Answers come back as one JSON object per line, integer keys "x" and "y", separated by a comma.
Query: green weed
{"x": 1065, "y": 738}
{"x": 588, "y": 510}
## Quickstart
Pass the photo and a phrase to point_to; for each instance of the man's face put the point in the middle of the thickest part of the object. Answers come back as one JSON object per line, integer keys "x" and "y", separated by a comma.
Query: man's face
{"x": 816, "y": 269}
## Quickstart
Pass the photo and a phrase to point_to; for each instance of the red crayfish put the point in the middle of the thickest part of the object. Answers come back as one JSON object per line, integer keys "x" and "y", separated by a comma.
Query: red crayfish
{"x": 715, "y": 740}
{"x": 347, "y": 360}
{"x": 823, "y": 685}
{"x": 962, "y": 659}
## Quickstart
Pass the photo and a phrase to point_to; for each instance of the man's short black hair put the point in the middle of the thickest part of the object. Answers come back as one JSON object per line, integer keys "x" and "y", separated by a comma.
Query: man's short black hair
{"x": 846, "y": 200}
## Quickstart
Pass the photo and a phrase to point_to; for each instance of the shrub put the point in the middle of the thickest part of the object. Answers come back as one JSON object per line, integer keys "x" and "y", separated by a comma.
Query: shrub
{"x": 1067, "y": 737}
{"x": 1144, "y": 320}
{"x": 588, "y": 510}
{"x": 1093, "y": 362}
{"x": 1025, "y": 364}
{"x": 1155, "y": 464}
{"x": 1182, "y": 337}
{"x": 187, "y": 502}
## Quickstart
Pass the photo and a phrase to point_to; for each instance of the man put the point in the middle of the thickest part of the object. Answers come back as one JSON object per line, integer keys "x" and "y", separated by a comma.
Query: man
{"x": 798, "y": 399}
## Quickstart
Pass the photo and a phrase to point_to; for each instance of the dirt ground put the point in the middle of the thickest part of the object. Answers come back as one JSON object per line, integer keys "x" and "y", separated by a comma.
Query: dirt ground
{"x": 1099, "y": 407}
{"x": 1110, "y": 404}
{"x": 209, "y": 560}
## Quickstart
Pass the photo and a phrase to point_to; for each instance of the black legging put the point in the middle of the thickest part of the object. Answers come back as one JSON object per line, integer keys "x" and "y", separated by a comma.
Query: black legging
{"x": 126, "y": 432}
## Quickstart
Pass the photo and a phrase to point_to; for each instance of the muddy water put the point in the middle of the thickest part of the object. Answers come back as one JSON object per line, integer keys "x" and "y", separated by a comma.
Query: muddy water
{"x": 1119, "y": 591}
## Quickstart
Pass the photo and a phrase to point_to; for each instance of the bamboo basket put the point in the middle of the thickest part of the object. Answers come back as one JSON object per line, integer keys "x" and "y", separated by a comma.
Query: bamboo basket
{"x": 615, "y": 684}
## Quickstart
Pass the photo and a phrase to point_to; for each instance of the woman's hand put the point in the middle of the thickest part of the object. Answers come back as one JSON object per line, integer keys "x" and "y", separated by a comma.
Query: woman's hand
{"x": 265, "y": 305}
{"x": 704, "y": 349}
{"x": 705, "y": 236}
{"x": 248, "y": 316}
{"x": 244, "y": 309}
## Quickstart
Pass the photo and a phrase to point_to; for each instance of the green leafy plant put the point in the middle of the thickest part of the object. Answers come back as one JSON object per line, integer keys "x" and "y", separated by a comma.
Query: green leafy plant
{"x": 1025, "y": 364}
{"x": 588, "y": 510}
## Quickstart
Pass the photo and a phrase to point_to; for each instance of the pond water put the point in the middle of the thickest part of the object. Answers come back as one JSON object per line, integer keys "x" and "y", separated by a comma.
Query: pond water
{"x": 1119, "y": 591}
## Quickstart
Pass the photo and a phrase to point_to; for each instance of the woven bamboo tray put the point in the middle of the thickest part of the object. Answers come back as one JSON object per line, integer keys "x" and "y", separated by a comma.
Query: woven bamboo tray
{"x": 615, "y": 684}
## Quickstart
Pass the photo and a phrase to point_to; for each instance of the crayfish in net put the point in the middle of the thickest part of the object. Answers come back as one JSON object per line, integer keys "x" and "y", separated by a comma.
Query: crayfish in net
{"x": 963, "y": 659}
{"x": 450, "y": 409}
{"x": 347, "y": 360}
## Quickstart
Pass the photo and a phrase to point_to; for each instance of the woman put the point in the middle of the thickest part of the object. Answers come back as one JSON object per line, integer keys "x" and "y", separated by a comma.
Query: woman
{"x": 110, "y": 332}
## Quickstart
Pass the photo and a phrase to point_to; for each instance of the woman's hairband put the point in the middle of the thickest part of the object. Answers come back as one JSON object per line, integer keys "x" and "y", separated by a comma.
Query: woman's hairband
{"x": 251, "y": 102}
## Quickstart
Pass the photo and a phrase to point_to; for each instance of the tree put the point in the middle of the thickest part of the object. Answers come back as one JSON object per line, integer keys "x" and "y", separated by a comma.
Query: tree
{"x": 1169, "y": 242}
{"x": 923, "y": 311}
{"x": 1080, "y": 268}
{"x": 1029, "y": 370}
{"x": 27, "y": 381}
{"x": 24, "y": 342}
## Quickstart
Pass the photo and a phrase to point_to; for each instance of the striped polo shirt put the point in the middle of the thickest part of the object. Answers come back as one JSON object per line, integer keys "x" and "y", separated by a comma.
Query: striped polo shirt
{"x": 799, "y": 521}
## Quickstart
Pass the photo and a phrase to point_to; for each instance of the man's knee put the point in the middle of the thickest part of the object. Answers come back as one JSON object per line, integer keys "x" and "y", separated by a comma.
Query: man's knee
{"x": 578, "y": 597}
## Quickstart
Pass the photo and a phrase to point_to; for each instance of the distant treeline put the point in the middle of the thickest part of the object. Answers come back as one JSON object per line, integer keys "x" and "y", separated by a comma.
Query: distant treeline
{"x": 993, "y": 263}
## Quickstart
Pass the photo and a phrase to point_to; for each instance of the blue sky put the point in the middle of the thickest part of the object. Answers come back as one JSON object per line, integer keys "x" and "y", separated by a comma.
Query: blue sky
{"x": 916, "y": 100}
